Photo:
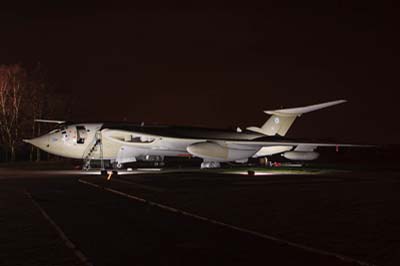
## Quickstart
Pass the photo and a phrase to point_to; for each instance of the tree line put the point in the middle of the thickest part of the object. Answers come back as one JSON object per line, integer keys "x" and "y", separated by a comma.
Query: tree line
{"x": 25, "y": 95}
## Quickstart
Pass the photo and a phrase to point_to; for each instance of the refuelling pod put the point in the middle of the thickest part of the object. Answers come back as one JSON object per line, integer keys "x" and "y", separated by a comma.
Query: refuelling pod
{"x": 301, "y": 155}
{"x": 211, "y": 151}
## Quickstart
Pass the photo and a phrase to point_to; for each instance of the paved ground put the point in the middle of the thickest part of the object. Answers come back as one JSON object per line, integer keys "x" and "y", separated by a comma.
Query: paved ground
{"x": 317, "y": 218}
{"x": 26, "y": 236}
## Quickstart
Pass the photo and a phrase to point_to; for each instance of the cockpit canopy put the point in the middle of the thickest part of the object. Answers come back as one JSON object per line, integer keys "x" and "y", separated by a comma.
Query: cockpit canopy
{"x": 73, "y": 133}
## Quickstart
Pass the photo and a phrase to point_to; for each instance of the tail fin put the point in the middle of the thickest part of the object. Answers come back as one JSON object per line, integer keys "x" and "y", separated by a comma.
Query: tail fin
{"x": 281, "y": 120}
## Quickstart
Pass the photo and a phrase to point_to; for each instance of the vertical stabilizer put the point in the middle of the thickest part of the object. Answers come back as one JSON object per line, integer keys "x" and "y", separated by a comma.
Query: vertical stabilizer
{"x": 282, "y": 119}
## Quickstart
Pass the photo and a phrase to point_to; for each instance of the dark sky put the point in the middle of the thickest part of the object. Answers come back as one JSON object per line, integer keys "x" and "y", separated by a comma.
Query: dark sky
{"x": 219, "y": 66}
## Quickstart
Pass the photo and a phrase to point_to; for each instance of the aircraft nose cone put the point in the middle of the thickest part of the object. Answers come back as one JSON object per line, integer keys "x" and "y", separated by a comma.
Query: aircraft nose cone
{"x": 41, "y": 142}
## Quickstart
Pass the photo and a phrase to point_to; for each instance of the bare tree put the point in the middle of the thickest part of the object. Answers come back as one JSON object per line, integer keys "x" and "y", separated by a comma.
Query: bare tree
{"x": 13, "y": 84}
{"x": 38, "y": 93}
{"x": 24, "y": 97}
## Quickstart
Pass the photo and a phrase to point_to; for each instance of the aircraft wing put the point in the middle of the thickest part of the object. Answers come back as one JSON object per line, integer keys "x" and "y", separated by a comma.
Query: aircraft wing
{"x": 293, "y": 144}
{"x": 266, "y": 148}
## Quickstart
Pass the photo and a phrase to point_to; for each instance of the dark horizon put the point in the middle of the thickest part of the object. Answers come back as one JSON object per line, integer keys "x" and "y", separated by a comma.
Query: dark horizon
{"x": 218, "y": 67}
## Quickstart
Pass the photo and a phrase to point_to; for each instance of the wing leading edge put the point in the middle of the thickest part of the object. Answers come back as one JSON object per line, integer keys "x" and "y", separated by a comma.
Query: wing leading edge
{"x": 295, "y": 144}
{"x": 266, "y": 148}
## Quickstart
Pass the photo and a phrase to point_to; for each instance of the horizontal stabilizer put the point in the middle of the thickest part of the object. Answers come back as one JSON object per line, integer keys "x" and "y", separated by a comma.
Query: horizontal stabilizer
{"x": 302, "y": 110}
{"x": 50, "y": 121}
{"x": 281, "y": 119}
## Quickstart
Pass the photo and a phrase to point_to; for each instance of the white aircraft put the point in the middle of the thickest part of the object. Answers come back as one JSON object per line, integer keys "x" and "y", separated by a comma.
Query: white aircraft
{"x": 123, "y": 143}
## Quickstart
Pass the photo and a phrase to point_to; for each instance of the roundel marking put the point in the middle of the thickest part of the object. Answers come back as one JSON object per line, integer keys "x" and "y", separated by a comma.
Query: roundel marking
{"x": 276, "y": 120}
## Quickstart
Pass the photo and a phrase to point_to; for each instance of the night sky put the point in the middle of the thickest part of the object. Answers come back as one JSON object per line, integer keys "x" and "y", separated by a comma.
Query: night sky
{"x": 219, "y": 66}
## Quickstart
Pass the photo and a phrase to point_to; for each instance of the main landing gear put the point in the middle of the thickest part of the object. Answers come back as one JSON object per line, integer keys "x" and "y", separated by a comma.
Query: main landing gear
{"x": 117, "y": 165}
{"x": 208, "y": 165}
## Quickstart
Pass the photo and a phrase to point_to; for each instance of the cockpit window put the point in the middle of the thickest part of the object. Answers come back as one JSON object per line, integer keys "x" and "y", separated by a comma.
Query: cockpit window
{"x": 80, "y": 134}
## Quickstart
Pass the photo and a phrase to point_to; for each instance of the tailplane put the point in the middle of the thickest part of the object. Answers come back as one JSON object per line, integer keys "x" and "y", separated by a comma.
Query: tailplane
{"x": 281, "y": 119}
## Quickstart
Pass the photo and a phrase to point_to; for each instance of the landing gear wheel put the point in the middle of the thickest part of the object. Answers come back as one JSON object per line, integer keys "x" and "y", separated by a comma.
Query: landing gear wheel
{"x": 251, "y": 172}
{"x": 159, "y": 164}
{"x": 206, "y": 165}
{"x": 117, "y": 165}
